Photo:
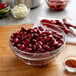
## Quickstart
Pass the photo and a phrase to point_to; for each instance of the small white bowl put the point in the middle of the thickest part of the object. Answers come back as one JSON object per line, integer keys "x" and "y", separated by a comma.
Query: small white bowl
{"x": 69, "y": 69}
{"x": 17, "y": 17}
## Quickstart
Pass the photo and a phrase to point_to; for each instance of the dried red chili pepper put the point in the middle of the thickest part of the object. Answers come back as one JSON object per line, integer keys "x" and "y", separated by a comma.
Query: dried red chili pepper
{"x": 72, "y": 32}
{"x": 47, "y": 21}
{"x": 62, "y": 26}
{"x": 69, "y": 25}
{"x": 52, "y": 26}
{"x": 56, "y": 23}
{"x": 71, "y": 63}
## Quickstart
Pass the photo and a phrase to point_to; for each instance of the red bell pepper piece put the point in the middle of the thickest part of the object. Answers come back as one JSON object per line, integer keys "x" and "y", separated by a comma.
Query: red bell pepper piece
{"x": 3, "y": 5}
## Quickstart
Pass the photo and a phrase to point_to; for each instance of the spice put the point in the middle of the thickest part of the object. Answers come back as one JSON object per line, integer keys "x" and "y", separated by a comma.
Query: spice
{"x": 71, "y": 63}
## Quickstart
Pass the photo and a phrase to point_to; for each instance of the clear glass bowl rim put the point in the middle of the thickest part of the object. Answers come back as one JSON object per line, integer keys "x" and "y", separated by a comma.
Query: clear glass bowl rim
{"x": 66, "y": 1}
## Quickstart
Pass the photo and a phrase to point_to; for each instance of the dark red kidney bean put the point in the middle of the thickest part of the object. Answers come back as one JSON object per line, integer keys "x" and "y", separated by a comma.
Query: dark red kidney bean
{"x": 29, "y": 45}
{"x": 17, "y": 36}
{"x": 36, "y": 35}
{"x": 61, "y": 40}
{"x": 40, "y": 43}
{"x": 51, "y": 41}
{"x": 49, "y": 37}
{"x": 38, "y": 38}
{"x": 25, "y": 33}
{"x": 18, "y": 45}
{"x": 21, "y": 33}
{"x": 44, "y": 32}
{"x": 12, "y": 44}
{"x": 46, "y": 47}
{"x": 32, "y": 35}
{"x": 12, "y": 40}
{"x": 22, "y": 47}
{"x": 40, "y": 28}
{"x": 52, "y": 48}
{"x": 34, "y": 47}
{"x": 39, "y": 32}
{"x": 48, "y": 43}
{"x": 34, "y": 30}
{"x": 23, "y": 29}
{"x": 59, "y": 45}
{"x": 36, "y": 43}
{"x": 37, "y": 51}
{"x": 12, "y": 36}
{"x": 44, "y": 35}
{"x": 24, "y": 42}
{"x": 34, "y": 40}
{"x": 44, "y": 40}
{"x": 27, "y": 41}
{"x": 31, "y": 31}
{"x": 39, "y": 47}
{"x": 55, "y": 43}
{"x": 28, "y": 50}
{"x": 42, "y": 51}
{"x": 58, "y": 35}
{"x": 49, "y": 32}
{"x": 22, "y": 37}
{"x": 14, "y": 33}
{"x": 16, "y": 40}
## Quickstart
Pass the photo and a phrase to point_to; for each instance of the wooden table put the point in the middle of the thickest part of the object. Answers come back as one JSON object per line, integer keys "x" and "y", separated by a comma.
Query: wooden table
{"x": 11, "y": 66}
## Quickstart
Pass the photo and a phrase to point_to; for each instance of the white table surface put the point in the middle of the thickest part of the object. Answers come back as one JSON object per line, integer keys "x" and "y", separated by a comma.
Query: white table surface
{"x": 42, "y": 11}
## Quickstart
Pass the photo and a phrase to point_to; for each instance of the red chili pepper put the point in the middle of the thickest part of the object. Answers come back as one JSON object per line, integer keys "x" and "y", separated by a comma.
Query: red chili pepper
{"x": 46, "y": 21}
{"x": 56, "y": 23}
{"x": 72, "y": 32}
{"x": 52, "y": 26}
{"x": 62, "y": 26}
{"x": 3, "y": 5}
{"x": 69, "y": 25}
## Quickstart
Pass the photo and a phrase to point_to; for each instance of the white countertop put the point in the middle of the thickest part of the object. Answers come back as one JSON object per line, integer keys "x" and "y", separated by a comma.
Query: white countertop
{"x": 42, "y": 11}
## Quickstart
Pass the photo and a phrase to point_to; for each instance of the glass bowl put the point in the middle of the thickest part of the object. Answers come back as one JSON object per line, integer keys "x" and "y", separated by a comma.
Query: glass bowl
{"x": 19, "y": 13}
{"x": 37, "y": 59}
{"x": 69, "y": 68}
{"x": 57, "y": 5}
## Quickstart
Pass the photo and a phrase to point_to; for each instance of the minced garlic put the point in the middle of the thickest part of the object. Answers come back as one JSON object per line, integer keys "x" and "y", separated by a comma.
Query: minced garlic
{"x": 19, "y": 11}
